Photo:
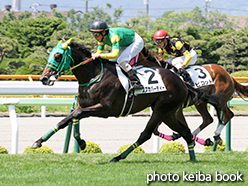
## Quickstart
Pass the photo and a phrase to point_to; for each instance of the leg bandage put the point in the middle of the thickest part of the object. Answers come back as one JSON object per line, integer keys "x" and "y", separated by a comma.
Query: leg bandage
{"x": 219, "y": 129}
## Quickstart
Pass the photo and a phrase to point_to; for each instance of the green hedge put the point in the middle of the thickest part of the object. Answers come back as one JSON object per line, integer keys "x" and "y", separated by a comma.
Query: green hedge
{"x": 91, "y": 147}
{"x": 42, "y": 150}
{"x": 172, "y": 147}
{"x": 125, "y": 147}
{"x": 3, "y": 150}
{"x": 218, "y": 148}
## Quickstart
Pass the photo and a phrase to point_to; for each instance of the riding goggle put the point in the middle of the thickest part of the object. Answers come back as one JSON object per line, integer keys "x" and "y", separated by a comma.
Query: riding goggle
{"x": 158, "y": 41}
{"x": 96, "y": 34}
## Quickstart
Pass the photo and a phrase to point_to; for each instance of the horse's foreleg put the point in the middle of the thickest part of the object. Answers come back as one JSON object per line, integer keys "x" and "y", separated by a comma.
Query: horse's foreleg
{"x": 62, "y": 124}
{"x": 45, "y": 137}
{"x": 80, "y": 141}
{"x": 144, "y": 136}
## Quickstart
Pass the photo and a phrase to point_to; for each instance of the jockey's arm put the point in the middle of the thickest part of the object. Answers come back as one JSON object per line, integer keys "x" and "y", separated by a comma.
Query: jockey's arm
{"x": 99, "y": 51}
{"x": 180, "y": 46}
{"x": 112, "y": 55}
{"x": 160, "y": 55}
{"x": 187, "y": 59}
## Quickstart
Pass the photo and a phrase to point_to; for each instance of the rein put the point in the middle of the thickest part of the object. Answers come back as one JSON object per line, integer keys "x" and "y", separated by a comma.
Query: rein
{"x": 85, "y": 62}
{"x": 82, "y": 63}
{"x": 136, "y": 63}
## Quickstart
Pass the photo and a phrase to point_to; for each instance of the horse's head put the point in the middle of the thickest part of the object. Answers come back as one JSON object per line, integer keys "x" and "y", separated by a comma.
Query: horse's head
{"x": 59, "y": 60}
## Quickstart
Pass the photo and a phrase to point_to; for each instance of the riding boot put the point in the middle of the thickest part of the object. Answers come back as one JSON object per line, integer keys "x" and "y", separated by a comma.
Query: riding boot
{"x": 187, "y": 77}
{"x": 135, "y": 82}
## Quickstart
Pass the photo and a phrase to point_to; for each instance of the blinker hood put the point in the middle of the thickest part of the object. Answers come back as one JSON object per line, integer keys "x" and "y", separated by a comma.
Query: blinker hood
{"x": 64, "y": 64}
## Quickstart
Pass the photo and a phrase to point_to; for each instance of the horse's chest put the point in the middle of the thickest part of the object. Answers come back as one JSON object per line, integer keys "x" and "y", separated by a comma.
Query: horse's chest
{"x": 87, "y": 98}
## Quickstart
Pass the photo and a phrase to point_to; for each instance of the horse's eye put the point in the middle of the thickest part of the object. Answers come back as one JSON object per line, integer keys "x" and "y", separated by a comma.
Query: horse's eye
{"x": 57, "y": 57}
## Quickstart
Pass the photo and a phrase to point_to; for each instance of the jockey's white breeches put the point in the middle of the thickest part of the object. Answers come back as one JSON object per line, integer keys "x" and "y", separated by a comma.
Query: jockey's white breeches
{"x": 127, "y": 53}
{"x": 178, "y": 61}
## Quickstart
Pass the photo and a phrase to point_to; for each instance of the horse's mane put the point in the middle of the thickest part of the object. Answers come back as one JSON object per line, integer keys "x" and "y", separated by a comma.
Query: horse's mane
{"x": 148, "y": 54}
{"x": 82, "y": 48}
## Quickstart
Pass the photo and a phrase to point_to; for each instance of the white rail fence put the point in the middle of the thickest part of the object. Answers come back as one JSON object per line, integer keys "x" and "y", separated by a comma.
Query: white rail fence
{"x": 59, "y": 88}
{"x": 33, "y": 88}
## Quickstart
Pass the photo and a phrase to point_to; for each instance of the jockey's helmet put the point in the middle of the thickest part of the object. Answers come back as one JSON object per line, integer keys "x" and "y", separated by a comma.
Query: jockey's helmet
{"x": 160, "y": 34}
{"x": 98, "y": 26}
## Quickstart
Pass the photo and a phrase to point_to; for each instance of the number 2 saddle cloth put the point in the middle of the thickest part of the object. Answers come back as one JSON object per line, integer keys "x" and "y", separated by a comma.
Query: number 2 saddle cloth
{"x": 149, "y": 78}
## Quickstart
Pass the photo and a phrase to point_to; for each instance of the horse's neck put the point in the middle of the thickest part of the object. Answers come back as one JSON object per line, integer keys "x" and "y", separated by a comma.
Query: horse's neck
{"x": 147, "y": 59}
{"x": 85, "y": 73}
{"x": 93, "y": 70}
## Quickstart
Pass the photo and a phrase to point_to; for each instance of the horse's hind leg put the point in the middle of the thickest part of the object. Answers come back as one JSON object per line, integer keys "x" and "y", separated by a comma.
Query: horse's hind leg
{"x": 161, "y": 135}
{"x": 206, "y": 120}
{"x": 228, "y": 115}
{"x": 184, "y": 131}
{"x": 176, "y": 136}
{"x": 144, "y": 136}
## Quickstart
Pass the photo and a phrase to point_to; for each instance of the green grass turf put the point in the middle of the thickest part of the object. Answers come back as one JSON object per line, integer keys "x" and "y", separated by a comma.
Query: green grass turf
{"x": 94, "y": 169}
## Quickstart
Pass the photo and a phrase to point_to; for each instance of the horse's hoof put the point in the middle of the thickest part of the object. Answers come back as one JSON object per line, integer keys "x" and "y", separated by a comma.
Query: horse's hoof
{"x": 193, "y": 160}
{"x": 36, "y": 145}
{"x": 218, "y": 140}
{"x": 175, "y": 136}
{"x": 114, "y": 160}
{"x": 82, "y": 144}
{"x": 208, "y": 142}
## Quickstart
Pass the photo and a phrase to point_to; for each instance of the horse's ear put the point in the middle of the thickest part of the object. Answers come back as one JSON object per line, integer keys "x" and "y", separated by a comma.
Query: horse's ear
{"x": 59, "y": 42}
{"x": 67, "y": 43}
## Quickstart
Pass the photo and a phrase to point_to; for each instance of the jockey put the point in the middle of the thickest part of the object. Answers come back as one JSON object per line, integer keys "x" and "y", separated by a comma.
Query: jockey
{"x": 125, "y": 44}
{"x": 184, "y": 54}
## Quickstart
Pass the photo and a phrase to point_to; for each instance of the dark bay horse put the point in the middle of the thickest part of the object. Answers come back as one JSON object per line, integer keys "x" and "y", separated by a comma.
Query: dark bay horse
{"x": 223, "y": 89}
{"x": 101, "y": 94}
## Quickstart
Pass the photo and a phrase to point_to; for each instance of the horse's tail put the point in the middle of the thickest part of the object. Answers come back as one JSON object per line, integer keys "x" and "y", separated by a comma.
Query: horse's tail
{"x": 197, "y": 96}
{"x": 240, "y": 89}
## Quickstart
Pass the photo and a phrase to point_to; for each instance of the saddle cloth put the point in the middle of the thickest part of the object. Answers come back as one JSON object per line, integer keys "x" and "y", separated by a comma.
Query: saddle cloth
{"x": 199, "y": 76}
{"x": 149, "y": 78}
